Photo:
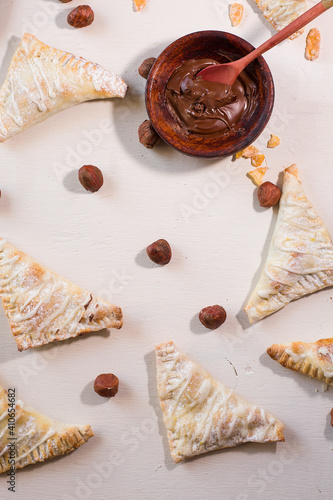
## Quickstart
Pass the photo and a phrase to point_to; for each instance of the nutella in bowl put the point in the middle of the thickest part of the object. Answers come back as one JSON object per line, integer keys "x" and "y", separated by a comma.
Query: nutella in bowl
{"x": 201, "y": 118}
{"x": 208, "y": 108}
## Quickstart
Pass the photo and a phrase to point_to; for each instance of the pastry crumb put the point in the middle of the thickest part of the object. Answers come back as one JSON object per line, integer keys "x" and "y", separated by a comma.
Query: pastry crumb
{"x": 258, "y": 159}
{"x": 250, "y": 151}
{"x": 257, "y": 175}
{"x": 273, "y": 141}
{"x": 312, "y": 48}
{"x": 238, "y": 155}
{"x": 236, "y": 11}
{"x": 139, "y": 5}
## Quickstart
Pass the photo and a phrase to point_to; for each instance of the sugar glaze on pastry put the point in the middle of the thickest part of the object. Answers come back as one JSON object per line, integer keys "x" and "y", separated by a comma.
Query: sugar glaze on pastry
{"x": 43, "y": 307}
{"x": 36, "y": 437}
{"x": 42, "y": 80}
{"x": 300, "y": 257}
{"x": 201, "y": 414}
{"x": 280, "y": 13}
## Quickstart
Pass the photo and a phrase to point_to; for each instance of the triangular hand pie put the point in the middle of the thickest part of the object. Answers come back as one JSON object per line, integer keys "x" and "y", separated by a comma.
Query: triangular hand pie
{"x": 280, "y": 13}
{"x": 314, "y": 359}
{"x": 300, "y": 258}
{"x": 28, "y": 437}
{"x": 42, "y": 80}
{"x": 43, "y": 307}
{"x": 201, "y": 414}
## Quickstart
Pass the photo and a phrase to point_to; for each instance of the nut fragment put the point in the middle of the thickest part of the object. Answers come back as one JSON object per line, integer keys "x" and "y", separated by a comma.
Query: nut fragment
{"x": 273, "y": 141}
{"x": 257, "y": 175}
{"x": 81, "y": 17}
{"x": 139, "y": 4}
{"x": 236, "y": 11}
{"x": 312, "y": 44}
{"x": 258, "y": 159}
{"x": 212, "y": 316}
{"x": 147, "y": 135}
{"x": 106, "y": 385}
{"x": 146, "y": 67}
{"x": 159, "y": 252}
{"x": 91, "y": 178}
{"x": 268, "y": 194}
{"x": 332, "y": 417}
{"x": 250, "y": 151}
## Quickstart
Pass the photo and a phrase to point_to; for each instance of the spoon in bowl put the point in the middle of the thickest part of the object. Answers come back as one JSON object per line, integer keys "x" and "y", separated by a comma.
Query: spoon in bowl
{"x": 228, "y": 73}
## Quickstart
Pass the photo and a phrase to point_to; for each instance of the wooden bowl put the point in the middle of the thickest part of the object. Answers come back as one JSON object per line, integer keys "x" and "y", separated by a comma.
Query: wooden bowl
{"x": 201, "y": 45}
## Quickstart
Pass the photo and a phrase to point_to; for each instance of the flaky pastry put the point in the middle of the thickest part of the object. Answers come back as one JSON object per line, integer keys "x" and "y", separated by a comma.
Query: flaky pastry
{"x": 201, "y": 414}
{"x": 42, "y": 80}
{"x": 43, "y": 307}
{"x": 280, "y": 13}
{"x": 313, "y": 359}
{"x": 28, "y": 437}
{"x": 300, "y": 257}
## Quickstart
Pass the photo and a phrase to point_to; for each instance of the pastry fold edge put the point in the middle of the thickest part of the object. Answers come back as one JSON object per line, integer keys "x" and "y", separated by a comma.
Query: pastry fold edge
{"x": 201, "y": 414}
{"x": 43, "y": 307}
{"x": 42, "y": 81}
{"x": 300, "y": 257}
{"x": 280, "y": 13}
{"x": 34, "y": 437}
{"x": 312, "y": 359}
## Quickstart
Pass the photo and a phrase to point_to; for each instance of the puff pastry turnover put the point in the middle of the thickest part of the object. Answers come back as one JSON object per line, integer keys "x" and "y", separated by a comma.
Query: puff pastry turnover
{"x": 300, "y": 258}
{"x": 280, "y": 13}
{"x": 33, "y": 437}
{"x": 201, "y": 414}
{"x": 314, "y": 359}
{"x": 42, "y": 80}
{"x": 43, "y": 307}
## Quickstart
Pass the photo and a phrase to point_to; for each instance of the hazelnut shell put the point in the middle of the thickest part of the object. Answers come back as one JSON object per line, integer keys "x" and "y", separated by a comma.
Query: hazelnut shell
{"x": 106, "y": 385}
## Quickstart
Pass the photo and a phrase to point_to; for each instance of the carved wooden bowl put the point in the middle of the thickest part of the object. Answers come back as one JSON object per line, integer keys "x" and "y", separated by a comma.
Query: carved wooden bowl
{"x": 201, "y": 45}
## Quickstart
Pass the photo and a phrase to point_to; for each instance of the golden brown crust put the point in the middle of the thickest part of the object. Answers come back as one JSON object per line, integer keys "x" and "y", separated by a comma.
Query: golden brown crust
{"x": 35, "y": 437}
{"x": 313, "y": 359}
{"x": 43, "y": 80}
{"x": 203, "y": 415}
{"x": 43, "y": 307}
{"x": 300, "y": 257}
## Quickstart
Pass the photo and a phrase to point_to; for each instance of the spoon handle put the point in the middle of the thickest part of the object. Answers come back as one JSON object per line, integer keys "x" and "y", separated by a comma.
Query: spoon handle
{"x": 289, "y": 30}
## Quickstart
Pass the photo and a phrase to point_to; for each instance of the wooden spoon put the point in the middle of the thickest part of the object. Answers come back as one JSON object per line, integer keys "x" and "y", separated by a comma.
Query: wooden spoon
{"x": 228, "y": 73}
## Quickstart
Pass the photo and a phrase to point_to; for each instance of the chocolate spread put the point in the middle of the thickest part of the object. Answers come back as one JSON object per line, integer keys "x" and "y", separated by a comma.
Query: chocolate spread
{"x": 208, "y": 108}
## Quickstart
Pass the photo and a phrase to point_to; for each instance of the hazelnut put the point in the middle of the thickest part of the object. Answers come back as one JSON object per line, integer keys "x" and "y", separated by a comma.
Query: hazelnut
{"x": 65, "y": 1}
{"x": 148, "y": 135}
{"x": 268, "y": 194}
{"x": 212, "y": 316}
{"x": 331, "y": 417}
{"x": 81, "y": 17}
{"x": 159, "y": 252}
{"x": 91, "y": 178}
{"x": 106, "y": 385}
{"x": 146, "y": 67}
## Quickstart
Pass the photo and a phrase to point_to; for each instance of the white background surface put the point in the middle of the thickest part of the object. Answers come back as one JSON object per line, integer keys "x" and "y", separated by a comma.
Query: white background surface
{"x": 219, "y": 238}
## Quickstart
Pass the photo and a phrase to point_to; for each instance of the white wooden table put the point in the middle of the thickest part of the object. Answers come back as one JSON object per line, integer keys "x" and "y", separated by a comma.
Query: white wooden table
{"x": 219, "y": 236}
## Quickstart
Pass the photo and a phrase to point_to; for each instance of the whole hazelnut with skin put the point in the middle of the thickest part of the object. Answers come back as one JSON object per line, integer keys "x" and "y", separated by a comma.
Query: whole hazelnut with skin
{"x": 268, "y": 194}
{"x": 106, "y": 385}
{"x": 65, "y": 1}
{"x": 81, "y": 17}
{"x": 147, "y": 135}
{"x": 159, "y": 252}
{"x": 146, "y": 66}
{"x": 91, "y": 178}
{"x": 212, "y": 316}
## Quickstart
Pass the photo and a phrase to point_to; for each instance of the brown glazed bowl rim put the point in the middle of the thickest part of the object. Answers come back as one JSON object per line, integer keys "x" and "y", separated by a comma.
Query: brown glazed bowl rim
{"x": 197, "y": 45}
